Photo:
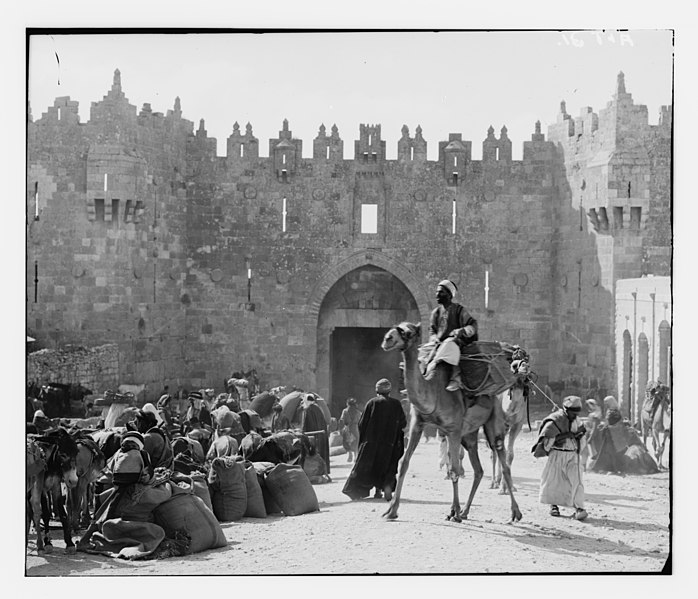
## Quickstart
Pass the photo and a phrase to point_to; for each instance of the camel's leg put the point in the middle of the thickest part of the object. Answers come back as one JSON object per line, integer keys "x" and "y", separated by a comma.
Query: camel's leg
{"x": 455, "y": 471}
{"x": 415, "y": 433}
{"x": 495, "y": 471}
{"x": 469, "y": 441}
{"x": 494, "y": 436}
{"x": 665, "y": 437}
{"x": 511, "y": 439}
{"x": 657, "y": 446}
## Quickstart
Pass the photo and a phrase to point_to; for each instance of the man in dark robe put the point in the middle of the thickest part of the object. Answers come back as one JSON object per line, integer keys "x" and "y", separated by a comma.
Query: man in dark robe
{"x": 381, "y": 445}
{"x": 313, "y": 421}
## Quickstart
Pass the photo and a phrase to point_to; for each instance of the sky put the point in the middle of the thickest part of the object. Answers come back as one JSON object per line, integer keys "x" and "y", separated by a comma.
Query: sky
{"x": 447, "y": 82}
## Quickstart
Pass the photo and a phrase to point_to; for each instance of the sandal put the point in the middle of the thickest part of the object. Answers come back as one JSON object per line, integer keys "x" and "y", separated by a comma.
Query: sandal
{"x": 554, "y": 511}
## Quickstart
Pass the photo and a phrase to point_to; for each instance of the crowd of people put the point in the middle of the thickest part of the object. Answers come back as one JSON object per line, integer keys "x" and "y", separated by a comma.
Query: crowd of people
{"x": 373, "y": 438}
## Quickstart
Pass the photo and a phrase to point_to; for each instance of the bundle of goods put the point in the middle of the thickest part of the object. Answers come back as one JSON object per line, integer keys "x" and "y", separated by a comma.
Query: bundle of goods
{"x": 186, "y": 519}
{"x": 291, "y": 490}
{"x": 485, "y": 369}
{"x": 226, "y": 481}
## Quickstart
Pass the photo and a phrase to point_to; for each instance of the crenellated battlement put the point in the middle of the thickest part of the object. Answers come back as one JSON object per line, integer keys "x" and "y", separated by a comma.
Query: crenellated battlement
{"x": 185, "y": 257}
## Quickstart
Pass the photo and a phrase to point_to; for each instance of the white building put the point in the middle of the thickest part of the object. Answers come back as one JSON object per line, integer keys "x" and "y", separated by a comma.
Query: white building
{"x": 643, "y": 338}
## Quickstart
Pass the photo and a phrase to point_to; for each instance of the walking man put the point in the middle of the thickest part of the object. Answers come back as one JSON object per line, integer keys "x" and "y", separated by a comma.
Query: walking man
{"x": 561, "y": 437}
{"x": 381, "y": 445}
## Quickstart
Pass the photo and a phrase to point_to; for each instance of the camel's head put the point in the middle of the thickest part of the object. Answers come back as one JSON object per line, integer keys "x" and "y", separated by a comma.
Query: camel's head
{"x": 401, "y": 336}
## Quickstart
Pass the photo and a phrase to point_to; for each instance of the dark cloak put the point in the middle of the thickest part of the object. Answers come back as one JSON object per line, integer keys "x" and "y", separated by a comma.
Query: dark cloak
{"x": 381, "y": 445}
{"x": 314, "y": 422}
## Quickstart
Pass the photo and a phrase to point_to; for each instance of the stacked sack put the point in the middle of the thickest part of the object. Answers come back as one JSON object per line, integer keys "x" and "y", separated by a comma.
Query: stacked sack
{"x": 235, "y": 490}
{"x": 240, "y": 488}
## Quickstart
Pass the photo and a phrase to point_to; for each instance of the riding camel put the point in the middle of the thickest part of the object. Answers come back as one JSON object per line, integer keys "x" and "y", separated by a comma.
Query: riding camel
{"x": 514, "y": 407}
{"x": 656, "y": 418}
{"x": 447, "y": 410}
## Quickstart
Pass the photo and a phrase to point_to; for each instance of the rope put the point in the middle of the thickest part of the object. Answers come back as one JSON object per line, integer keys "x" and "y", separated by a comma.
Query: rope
{"x": 543, "y": 394}
{"x": 489, "y": 359}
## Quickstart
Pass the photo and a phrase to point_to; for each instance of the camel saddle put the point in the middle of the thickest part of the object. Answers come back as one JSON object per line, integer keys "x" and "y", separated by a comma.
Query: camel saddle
{"x": 485, "y": 367}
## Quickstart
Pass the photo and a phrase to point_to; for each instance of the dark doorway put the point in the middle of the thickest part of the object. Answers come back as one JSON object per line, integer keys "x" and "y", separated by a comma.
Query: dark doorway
{"x": 357, "y": 362}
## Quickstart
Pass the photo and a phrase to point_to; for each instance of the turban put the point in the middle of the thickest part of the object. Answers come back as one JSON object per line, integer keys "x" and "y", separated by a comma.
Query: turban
{"x": 572, "y": 402}
{"x": 151, "y": 409}
{"x": 195, "y": 395}
{"x": 134, "y": 436}
{"x": 610, "y": 402}
{"x": 449, "y": 286}
{"x": 383, "y": 386}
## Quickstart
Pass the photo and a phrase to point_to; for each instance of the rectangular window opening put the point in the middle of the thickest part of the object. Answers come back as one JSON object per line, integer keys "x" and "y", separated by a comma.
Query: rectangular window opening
{"x": 455, "y": 161}
{"x": 242, "y": 151}
{"x": 635, "y": 216}
{"x": 59, "y": 114}
{"x": 453, "y": 219}
{"x": 283, "y": 215}
{"x": 374, "y": 157}
{"x": 36, "y": 200}
{"x": 496, "y": 153}
{"x": 327, "y": 155}
{"x": 455, "y": 179}
{"x": 603, "y": 218}
{"x": 127, "y": 211}
{"x": 411, "y": 153}
{"x": 283, "y": 159}
{"x": 369, "y": 139}
{"x": 138, "y": 211}
{"x": 115, "y": 212}
{"x": 629, "y": 187}
{"x": 618, "y": 217}
{"x": 284, "y": 176}
{"x": 365, "y": 156}
{"x": 106, "y": 177}
{"x": 369, "y": 218}
{"x": 99, "y": 210}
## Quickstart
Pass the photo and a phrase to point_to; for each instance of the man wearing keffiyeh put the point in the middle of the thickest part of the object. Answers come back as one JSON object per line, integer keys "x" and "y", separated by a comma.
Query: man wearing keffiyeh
{"x": 450, "y": 328}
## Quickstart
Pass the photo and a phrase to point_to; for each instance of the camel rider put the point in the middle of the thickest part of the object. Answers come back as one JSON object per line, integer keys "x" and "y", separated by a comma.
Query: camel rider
{"x": 655, "y": 394}
{"x": 450, "y": 328}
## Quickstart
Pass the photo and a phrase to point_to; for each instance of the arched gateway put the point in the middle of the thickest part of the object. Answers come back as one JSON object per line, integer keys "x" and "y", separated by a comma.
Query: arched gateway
{"x": 354, "y": 305}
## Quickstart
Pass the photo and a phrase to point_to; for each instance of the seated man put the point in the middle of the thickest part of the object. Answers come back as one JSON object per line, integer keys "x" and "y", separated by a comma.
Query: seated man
{"x": 450, "y": 328}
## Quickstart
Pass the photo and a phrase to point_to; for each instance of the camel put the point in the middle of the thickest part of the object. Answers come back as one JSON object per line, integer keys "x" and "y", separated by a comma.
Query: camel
{"x": 658, "y": 425}
{"x": 431, "y": 403}
{"x": 514, "y": 407}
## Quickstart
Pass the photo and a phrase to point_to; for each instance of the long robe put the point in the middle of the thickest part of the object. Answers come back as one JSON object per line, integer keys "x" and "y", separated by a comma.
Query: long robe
{"x": 313, "y": 420}
{"x": 381, "y": 445}
{"x": 349, "y": 420}
{"x": 561, "y": 482}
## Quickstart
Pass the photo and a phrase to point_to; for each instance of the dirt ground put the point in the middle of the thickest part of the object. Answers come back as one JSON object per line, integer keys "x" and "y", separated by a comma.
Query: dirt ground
{"x": 626, "y": 532}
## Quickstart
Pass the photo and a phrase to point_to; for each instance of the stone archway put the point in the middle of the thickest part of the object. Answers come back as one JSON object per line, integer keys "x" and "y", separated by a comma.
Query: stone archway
{"x": 353, "y": 306}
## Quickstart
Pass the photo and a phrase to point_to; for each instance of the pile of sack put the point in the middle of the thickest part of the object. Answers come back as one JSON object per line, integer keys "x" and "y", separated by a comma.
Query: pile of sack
{"x": 240, "y": 488}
